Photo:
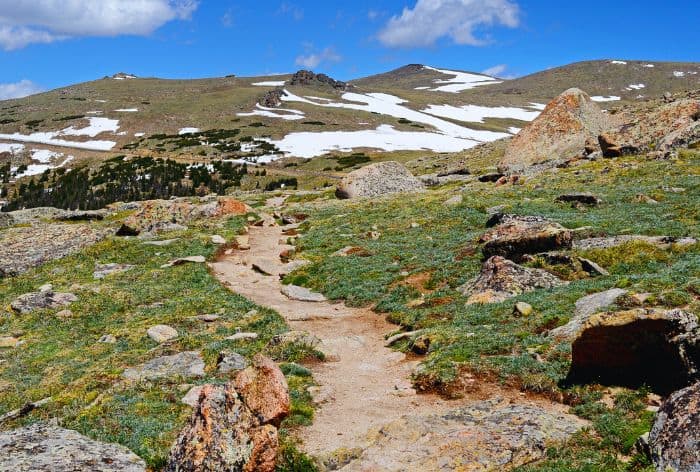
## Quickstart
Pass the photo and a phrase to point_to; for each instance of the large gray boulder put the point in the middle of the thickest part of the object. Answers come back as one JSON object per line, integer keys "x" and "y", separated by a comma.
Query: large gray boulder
{"x": 674, "y": 440}
{"x": 378, "y": 179}
{"x": 558, "y": 134}
{"x": 44, "y": 448}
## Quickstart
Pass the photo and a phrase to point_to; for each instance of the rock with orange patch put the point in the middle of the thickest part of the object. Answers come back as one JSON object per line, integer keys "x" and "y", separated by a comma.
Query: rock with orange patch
{"x": 231, "y": 206}
{"x": 558, "y": 134}
{"x": 515, "y": 236}
{"x": 264, "y": 389}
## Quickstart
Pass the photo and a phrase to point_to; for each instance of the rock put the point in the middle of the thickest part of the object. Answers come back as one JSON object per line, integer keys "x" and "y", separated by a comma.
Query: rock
{"x": 43, "y": 299}
{"x": 585, "y": 308}
{"x": 592, "y": 268}
{"x": 64, "y": 314}
{"x": 209, "y": 318}
{"x": 352, "y": 251}
{"x": 216, "y": 239}
{"x": 501, "y": 279}
{"x": 302, "y": 294}
{"x": 516, "y": 236}
{"x": 674, "y": 441}
{"x": 611, "y": 148}
{"x": 663, "y": 242}
{"x": 243, "y": 337}
{"x": 456, "y": 200}
{"x": 107, "y": 339}
{"x": 492, "y": 177}
{"x": 162, "y": 333}
{"x": 230, "y": 361}
{"x": 321, "y": 394}
{"x": 185, "y": 364}
{"x": 103, "y": 270}
{"x": 290, "y": 267}
{"x": 243, "y": 242}
{"x": 645, "y": 199}
{"x": 191, "y": 398}
{"x": 264, "y": 390}
{"x": 227, "y": 206}
{"x": 8, "y": 342}
{"x": 300, "y": 338}
{"x": 488, "y": 435}
{"x": 378, "y": 179}
{"x": 522, "y": 309}
{"x": 223, "y": 434}
{"x": 558, "y": 134}
{"x": 185, "y": 260}
{"x": 582, "y": 198}
{"x": 162, "y": 243}
{"x": 654, "y": 347}
{"x": 44, "y": 448}
{"x": 306, "y": 78}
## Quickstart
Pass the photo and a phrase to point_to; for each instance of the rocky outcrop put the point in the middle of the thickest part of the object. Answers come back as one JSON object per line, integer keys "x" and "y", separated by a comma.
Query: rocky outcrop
{"x": 490, "y": 435}
{"x": 514, "y": 236}
{"x": 654, "y": 347}
{"x": 674, "y": 441}
{"x": 45, "y": 298}
{"x": 272, "y": 98}
{"x": 234, "y": 427}
{"x": 306, "y": 77}
{"x": 378, "y": 179}
{"x": 44, "y": 448}
{"x": 585, "y": 308}
{"x": 501, "y": 279}
{"x": 558, "y": 134}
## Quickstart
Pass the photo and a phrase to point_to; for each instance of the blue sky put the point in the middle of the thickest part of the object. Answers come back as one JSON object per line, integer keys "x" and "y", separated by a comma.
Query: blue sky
{"x": 50, "y": 43}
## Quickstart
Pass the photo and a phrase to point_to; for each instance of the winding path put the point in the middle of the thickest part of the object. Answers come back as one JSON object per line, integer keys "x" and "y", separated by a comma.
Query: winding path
{"x": 367, "y": 384}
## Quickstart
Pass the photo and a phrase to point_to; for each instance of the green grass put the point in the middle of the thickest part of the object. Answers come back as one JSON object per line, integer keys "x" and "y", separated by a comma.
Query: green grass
{"x": 61, "y": 358}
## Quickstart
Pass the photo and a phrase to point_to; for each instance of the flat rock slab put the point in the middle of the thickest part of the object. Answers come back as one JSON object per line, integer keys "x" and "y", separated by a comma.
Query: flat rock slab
{"x": 43, "y": 299}
{"x": 585, "y": 308}
{"x": 103, "y": 270}
{"x": 185, "y": 364}
{"x": 487, "y": 435}
{"x": 162, "y": 333}
{"x": 44, "y": 448}
{"x": 614, "y": 241}
{"x": 302, "y": 294}
{"x": 185, "y": 260}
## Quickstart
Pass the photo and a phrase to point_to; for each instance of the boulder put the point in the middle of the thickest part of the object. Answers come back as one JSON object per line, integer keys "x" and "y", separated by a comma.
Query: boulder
{"x": 585, "y": 308}
{"x": 674, "y": 441}
{"x": 43, "y": 299}
{"x": 227, "y": 206}
{"x": 654, "y": 347}
{"x": 162, "y": 333}
{"x": 378, "y": 179}
{"x": 558, "y": 134}
{"x": 612, "y": 148}
{"x": 486, "y": 435}
{"x": 44, "y": 448}
{"x": 501, "y": 279}
{"x": 231, "y": 361}
{"x": 234, "y": 427}
{"x": 301, "y": 294}
{"x": 516, "y": 236}
{"x": 185, "y": 364}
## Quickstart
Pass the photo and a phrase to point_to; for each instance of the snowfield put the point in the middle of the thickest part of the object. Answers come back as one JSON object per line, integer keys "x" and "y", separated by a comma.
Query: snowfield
{"x": 186, "y": 131}
{"x": 385, "y": 138}
{"x": 11, "y": 148}
{"x": 271, "y": 83}
{"x": 476, "y": 114}
{"x": 95, "y": 126}
{"x": 44, "y": 155}
{"x": 260, "y": 110}
{"x": 461, "y": 81}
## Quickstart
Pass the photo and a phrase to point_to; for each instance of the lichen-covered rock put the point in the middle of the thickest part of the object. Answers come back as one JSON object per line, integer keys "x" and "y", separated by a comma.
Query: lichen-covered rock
{"x": 654, "y": 347}
{"x": 585, "y": 308}
{"x": 501, "y": 279}
{"x": 185, "y": 364}
{"x": 674, "y": 440}
{"x": 515, "y": 236}
{"x": 488, "y": 435}
{"x": 558, "y": 134}
{"x": 44, "y": 448}
{"x": 234, "y": 427}
{"x": 43, "y": 299}
{"x": 378, "y": 179}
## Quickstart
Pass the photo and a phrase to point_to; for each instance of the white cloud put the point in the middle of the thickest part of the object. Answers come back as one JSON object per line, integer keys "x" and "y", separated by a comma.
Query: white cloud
{"x": 313, "y": 60}
{"x": 430, "y": 20}
{"x": 19, "y": 89}
{"x": 495, "y": 71}
{"x": 24, "y": 22}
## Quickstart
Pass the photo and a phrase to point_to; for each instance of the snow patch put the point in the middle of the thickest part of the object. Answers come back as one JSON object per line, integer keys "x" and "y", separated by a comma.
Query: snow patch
{"x": 538, "y": 106}
{"x": 288, "y": 114}
{"x": 127, "y": 110}
{"x": 650, "y": 66}
{"x": 514, "y": 130}
{"x": 187, "y": 131}
{"x": 96, "y": 126}
{"x": 139, "y": 135}
{"x": 678, "y": 74}
{"x": 11, "y": 148}
{"x": 461, "y": 81}
{"x": 612, "y": 98}
{"x": 44, "y": 155}
{"x": 636, "y": 87}
{"x": 476, "y": 114}
{"x": 619, "y": 62}
{"x": 271, "y": 83}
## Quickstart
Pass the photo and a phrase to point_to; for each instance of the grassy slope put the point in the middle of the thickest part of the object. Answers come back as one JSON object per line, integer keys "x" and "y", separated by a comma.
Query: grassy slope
{"x": 62, "y": 358}
{"x": 441, "y": 254}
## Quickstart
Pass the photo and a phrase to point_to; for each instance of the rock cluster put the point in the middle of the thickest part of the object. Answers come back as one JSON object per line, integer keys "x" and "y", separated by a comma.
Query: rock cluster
{"x": 234, "y": 426}
{"x": 515, "y": 236}
{"x": 306, "y": 77}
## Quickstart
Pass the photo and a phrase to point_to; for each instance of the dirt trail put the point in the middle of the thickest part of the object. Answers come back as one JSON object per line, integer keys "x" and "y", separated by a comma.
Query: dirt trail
{"x": 368, "y": 384}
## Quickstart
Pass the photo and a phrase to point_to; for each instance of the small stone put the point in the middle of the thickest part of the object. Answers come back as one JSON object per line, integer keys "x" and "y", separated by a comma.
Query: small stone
{"x": 165, "y": 242}
{"x": 103, "y": 270}
{"x": 162, "y": 333}
{"x": 302, "y": 294}
{"x": 243, "y": 337}
{"x": 8, "y": 342}
{"x": 185, "y": 260}
{"x": 64, "y": 314}
{"x": 230, "y": 361}
{"x": 456, "y": 200}
{"x": 522, "y": 309}
{"x": 216, "y": 239}
{"x": 242, "y": 242}
{"x": 207, "y": 318}
{"x": 185, "y": 364}
{"x": 592, "y": 268}
{"x": 108, "y": 339}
